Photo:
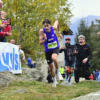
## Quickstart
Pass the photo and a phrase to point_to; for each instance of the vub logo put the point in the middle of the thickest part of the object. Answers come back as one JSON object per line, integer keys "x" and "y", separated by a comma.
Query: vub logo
{"x": 10, "y": 61}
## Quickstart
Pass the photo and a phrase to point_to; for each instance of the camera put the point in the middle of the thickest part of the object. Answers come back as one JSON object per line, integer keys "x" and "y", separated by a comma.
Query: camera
{"x": 89, "y": 64}
{"x": 76, "y": 47}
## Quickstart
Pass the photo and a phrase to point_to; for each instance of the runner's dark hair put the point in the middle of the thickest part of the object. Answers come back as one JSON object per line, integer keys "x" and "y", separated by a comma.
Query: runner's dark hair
{"x": 46, "y": 21}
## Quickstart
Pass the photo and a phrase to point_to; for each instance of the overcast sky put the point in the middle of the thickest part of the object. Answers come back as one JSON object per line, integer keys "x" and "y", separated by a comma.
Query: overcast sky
{"x": 83, "y": 8}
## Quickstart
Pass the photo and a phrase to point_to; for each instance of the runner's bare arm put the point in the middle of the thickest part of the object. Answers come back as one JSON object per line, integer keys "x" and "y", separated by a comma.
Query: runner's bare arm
{"x": 42, "y": 37}
{"x": 56, "y": 25}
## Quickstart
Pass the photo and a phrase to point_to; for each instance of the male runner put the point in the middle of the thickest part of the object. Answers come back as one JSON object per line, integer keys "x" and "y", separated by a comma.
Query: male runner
{"x": 69, "y": 59}
{"x": 50, "y": 41}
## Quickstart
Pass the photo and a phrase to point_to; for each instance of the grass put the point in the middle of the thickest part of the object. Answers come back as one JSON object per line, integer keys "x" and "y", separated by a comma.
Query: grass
{"x": 41, "y": 91}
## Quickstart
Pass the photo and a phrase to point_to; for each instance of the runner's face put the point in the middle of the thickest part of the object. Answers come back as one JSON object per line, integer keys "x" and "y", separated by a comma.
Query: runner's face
{"x": 81, "y": 41}
{"x": 47, "y": 27}
{"x": 67, "y": 41}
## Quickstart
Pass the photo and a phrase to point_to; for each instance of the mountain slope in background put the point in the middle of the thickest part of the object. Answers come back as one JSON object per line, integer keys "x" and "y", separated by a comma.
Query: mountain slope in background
{"x": 74, "y": 26}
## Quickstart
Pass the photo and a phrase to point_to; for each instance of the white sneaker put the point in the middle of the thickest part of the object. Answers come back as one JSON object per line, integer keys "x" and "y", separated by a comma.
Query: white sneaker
{"x": 60, "y": 77}
{"x": 54, "y": 84}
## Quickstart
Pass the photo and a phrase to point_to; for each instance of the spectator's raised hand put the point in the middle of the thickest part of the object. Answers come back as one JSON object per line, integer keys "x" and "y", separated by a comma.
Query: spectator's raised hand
{"x": 98, "y": 33}
{"x": 2, "y": 26}
{"x": 9, "y": 34}
{"x": 63, "y": 47}
{"x": 76, "y": 52}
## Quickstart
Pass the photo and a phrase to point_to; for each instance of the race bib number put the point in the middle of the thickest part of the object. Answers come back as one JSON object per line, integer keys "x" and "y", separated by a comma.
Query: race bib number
{"x": 52, "y": 45}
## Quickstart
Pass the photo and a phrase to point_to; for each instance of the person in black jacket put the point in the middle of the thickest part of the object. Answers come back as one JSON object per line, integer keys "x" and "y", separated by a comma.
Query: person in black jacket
{"x": 69, "y": 59}
{"x": 83, "y": 54}
{"x": 49, "y": 78}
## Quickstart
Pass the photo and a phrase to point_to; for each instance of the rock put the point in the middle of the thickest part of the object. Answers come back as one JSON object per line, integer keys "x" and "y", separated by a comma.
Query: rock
{"x": 91, "y": 96}
{"x": 44, "y": 71}
{"x": 32, "y": 74}
{"x": 28, "y": 74}
{"x": 20, "y": 91}
{"x": 6, "y": 78}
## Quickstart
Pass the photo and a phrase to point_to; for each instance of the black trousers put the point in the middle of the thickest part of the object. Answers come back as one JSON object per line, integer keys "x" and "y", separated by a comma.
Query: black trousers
{"x": 85, "y": 70}
{"x": 63, "y": 75}
{"x": 1, "y": 38}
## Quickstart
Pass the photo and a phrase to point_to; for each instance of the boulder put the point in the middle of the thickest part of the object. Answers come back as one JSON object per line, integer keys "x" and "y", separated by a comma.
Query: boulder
{"x": 28, "y": 74}
{"x": 91, "y": 96}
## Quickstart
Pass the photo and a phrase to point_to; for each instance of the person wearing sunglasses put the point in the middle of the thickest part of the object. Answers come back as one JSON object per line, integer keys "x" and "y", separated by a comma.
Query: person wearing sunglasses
{"x": 69, "y": 59}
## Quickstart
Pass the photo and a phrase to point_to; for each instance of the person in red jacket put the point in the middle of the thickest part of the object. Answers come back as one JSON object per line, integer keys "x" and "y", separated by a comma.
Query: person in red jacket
{"x": 5, "y": 31}
{"x": 91, "y": 77}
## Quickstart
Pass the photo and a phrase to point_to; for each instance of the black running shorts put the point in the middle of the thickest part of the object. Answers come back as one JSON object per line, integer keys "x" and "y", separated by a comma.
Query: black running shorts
{"x": 69, "y": 63}
{"x": 49, "y": 55}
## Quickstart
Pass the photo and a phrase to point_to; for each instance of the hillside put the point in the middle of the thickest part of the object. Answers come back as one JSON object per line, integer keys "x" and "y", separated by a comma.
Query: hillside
{"x": 33, "y": 90}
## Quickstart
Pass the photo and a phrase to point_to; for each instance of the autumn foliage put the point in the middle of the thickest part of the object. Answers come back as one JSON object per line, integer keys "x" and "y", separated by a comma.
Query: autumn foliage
{"x": 26, "y": 21}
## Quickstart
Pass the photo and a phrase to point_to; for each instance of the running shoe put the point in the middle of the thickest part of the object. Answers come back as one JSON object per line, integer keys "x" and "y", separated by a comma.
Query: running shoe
{"x": 65, "y": 79}
{"x": 69, "y": 82}
{"x": 54, "y": 84}
{"x": 60, "y": 78}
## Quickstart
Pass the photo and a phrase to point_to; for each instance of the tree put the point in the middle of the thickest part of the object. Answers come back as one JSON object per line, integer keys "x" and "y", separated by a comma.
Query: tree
{"x": 27, "y": 17}
{"x": 94, "y": 41}
{"x": 95, "y": 52}
{"x": 83, "y": 29}
{"x": 95, "y": 27}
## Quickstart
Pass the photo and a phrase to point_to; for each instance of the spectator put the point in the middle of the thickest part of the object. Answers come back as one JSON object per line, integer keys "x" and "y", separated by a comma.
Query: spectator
{"x": 96, "y": 74}
{"x": 34, "y": 64}
{"x": 9, "y": 21}
{"x": 29, "y": 63}
{"x": 21, "y": 52}
{"x": 61, "y": 69}
{"x": 3, "y": 15}
{"x": 91, "y": 77}
{"x": 83, "y": 56}
{"x": 49, "y": 78}
{"x": 3, "y": 24}
{"x": 12, "y": 41}
{"x": 7, "y": 28}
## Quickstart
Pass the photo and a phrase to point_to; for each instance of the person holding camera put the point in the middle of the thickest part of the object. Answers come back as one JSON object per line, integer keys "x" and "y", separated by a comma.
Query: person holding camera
{"x": 83, "y": 54}
{"x": 69, "y": 59}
